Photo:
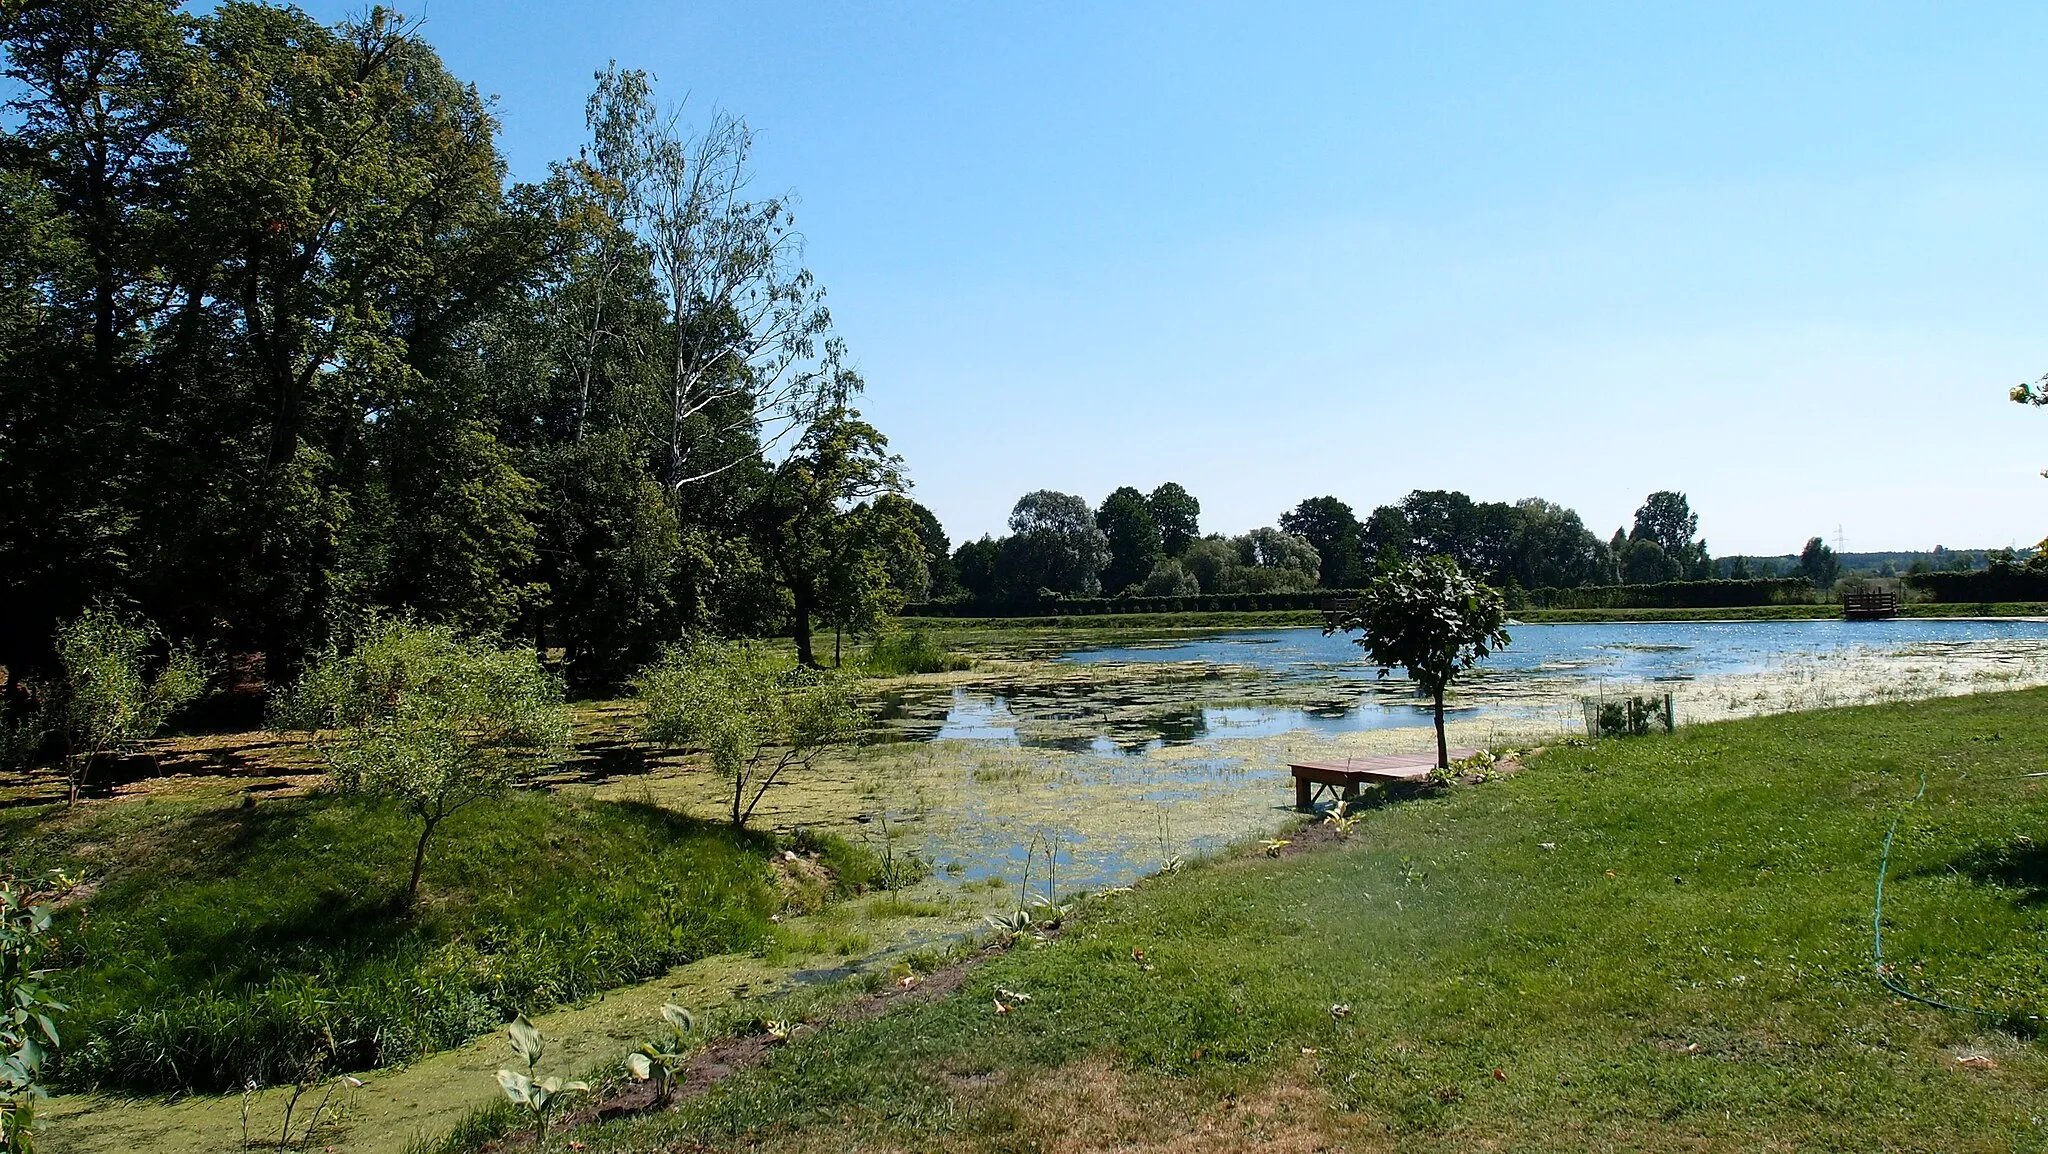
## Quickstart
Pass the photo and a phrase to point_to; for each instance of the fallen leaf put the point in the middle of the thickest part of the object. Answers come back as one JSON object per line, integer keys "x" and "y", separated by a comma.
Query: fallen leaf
{"x": 1000, "y": 1008}
{"x": 906, "y": 981}
{"x": 1977, "y": 1062}
{"x": 1499, "y": 1075}
{"x": 1611, "y": 873}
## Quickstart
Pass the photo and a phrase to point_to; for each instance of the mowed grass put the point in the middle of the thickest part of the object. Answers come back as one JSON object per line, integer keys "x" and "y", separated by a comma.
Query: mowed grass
{"x": 1660, "y": 943}
{"x": 221, "y": 943}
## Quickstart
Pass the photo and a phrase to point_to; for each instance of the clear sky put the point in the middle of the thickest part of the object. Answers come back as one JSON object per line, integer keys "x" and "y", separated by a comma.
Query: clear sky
{"x": 1787, "y": 259}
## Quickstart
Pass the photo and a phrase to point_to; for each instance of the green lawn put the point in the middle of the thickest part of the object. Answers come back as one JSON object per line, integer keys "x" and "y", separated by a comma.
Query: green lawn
{"x": 222, "y": 942}
{"x": 1656, "y": 944}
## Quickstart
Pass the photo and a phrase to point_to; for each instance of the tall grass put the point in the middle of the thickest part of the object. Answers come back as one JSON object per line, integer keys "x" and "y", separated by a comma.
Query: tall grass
{"x": 896, "y": 654}
{"x": 227, "y": 944}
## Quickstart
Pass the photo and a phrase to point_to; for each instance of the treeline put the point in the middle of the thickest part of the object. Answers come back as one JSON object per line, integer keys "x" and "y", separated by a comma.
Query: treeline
{"x": 1150, "y": 546}
{"x": 282, "y": 349}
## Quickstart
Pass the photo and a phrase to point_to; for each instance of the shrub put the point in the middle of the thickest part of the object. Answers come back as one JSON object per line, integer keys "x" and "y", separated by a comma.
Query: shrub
{"x": 429, "y": 720}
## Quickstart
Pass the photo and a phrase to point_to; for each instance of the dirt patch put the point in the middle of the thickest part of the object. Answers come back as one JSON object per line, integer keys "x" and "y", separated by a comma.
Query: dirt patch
{"x": 1095, "y": 1105}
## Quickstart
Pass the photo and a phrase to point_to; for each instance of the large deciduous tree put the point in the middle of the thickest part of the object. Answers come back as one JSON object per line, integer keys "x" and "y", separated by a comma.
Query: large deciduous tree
{"x": 1331, "y": 526}
{"x": 1054, "y": 546}
{"x": 1431, "y": 619}
{"x": 1667, "y": 518}
{"x": 1178, "y": 515}
{"x": 1134, "y": 539}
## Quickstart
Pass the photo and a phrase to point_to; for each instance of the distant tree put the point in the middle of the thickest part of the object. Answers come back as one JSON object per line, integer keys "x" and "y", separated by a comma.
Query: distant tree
{"x": 428, "y": 719}
{"x": 1818, "y": 564}
{"x": 1261, "y": 561}
{"x": 1738, "y": 569}
{"x": 1551, "y": 547}
{"x": 1644, "y": 562}
{"x": 113, "y": 691}
{"x": 1339, "y": 540}
{"x": 1271, "y": 561}
{"x": 830, "y": 540}
{"x": 938, "y": 555}
{"x": 1169, "y": 578}
{"x": 1387, "y": 537}
{"x": 974, "y": 566}
{"x": 756, "y": 718}
{"x": 1431, "y": 619}
{"x": 1178, "y": 516}
{"x": 1667, "y": 518}
{"x": 1135, "y": 543}
{"x": 1053, "y": 545}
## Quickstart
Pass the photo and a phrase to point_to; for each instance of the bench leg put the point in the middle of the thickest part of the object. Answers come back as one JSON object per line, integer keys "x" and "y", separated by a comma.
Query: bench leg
{"x": 1304, "y": 798}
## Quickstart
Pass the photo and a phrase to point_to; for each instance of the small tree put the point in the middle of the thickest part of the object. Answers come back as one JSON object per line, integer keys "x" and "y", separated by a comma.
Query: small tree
{"x": 428, "y": 719}
{"x": 757, "y": 718}
{"x": 106, "y": 701}
{"x": 1430, "y": 618}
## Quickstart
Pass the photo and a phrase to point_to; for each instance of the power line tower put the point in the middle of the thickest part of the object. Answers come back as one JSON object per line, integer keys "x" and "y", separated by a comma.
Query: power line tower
{"x": 1841, "y": 542}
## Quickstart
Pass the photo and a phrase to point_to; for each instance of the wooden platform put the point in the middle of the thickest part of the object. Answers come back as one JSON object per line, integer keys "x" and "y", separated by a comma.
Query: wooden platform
{"x": 1341, "y": 780}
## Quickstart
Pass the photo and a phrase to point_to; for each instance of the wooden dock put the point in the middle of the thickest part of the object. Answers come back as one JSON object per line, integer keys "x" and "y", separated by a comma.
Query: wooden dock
{"x": 1341, "y": 780}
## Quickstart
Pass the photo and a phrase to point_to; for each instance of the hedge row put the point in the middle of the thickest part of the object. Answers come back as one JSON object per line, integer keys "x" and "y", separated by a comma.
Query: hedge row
{"x": 1677, "y": 595}
{"x": 1983, "y": 585}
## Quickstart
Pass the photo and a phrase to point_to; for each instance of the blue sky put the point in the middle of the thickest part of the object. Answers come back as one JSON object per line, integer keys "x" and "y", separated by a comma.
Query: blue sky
{"x": 1785, "y": 258}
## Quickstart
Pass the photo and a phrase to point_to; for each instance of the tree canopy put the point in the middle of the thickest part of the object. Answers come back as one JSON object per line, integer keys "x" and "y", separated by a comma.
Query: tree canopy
{"x": 1432, "y": 620}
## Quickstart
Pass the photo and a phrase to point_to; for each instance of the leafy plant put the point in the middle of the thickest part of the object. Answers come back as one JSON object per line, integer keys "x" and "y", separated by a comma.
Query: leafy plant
{"x": 28, "y": 1032}
{"x": 756, "y": 718}
{"x": 662, "y": 1060}
{"x": 428, "y": 719}
{"x": 539, "y": 1097}
{"x": 107, "y": 700}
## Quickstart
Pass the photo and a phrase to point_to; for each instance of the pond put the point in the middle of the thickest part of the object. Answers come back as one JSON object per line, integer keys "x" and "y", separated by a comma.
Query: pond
{"x": 1121, "y": 758}
{"x": 1322, "y": 685}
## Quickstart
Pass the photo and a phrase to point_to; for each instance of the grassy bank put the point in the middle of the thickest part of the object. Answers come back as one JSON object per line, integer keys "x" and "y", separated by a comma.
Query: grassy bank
{"x": 1653, "y": 944}
{"x": 215, "y": 942}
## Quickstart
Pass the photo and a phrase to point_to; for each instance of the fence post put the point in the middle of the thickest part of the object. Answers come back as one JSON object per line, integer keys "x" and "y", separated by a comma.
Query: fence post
{"x": 1670, "y": 715}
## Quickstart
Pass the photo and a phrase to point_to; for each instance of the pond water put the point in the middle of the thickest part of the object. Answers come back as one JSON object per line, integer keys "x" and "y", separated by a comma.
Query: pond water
{"x": 1632, "y": 652}
{"x": 1115, "y": 759}
{"x": 1322, "y": 685}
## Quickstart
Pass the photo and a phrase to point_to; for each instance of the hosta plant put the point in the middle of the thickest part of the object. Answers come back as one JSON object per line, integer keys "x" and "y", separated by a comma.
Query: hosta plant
{"x": 539, "y": 1097}
{"x": 661, "y": 1061}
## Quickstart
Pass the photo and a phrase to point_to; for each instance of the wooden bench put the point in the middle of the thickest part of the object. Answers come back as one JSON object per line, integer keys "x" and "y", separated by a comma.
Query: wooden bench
{"x": 1870, "y": 606}
{"x": 1341, "y": 780}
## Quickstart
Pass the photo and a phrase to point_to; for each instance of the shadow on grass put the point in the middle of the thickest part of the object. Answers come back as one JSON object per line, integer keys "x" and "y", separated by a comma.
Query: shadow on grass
{"x": 2019, "y": 865}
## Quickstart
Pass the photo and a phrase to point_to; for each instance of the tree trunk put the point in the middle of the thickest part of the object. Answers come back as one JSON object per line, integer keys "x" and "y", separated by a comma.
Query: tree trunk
{"x": 739, "y": 789}
{"x": 419, "y": 862}
{"x": 800, "y": 623}
{"x": 1443, "y": 751}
